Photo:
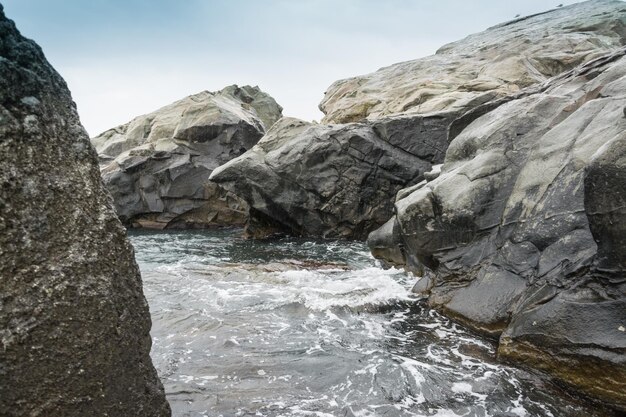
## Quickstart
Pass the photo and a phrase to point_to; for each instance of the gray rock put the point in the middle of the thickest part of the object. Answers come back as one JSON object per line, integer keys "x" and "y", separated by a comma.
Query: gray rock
{"x": 483, "y": 66}
{"x": 74, "y": 324}
{"x": 333, "y": 181}
{"x": 346, "y": 192}
{"x": 524, "y": 232}
{"x": 157, "y": 166}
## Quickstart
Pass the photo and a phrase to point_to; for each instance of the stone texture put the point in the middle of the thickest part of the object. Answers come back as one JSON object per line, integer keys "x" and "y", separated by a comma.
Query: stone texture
{"x": 523, "y": 230}
{"x": 417, "y": 107}
{"x": 74, "y": 324}
{"x": 483, "y": 66}
{"x": 333, "y": 181}
{"x": 157, "y": 166}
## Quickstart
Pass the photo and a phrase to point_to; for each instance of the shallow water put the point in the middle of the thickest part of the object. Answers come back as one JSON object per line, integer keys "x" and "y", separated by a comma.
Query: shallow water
{"x": 297, "y": 327}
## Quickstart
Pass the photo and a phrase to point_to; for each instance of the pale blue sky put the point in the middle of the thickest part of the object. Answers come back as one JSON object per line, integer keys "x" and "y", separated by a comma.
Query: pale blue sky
{"x": 123, "y": 58}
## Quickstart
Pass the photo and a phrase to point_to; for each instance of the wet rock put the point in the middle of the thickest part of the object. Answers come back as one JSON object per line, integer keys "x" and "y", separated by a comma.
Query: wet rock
{"x": 333, "y": 181}
{"x": 74, "y": 324}
{"x": 157, "y": 166}
{"x": 484, "y": 66}
{"x": 523, "y": 230}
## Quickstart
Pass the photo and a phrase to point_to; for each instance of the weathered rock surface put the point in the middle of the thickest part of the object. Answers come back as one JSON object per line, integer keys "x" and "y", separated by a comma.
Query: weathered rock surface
{"x": 483, "y": 66}
{"x": 74, "y": 324}
{"x": 333, "y": 181}
{"x": 523, "y": 230}
{"x": 157, "y": 166}
{"x": 346, "y": 186}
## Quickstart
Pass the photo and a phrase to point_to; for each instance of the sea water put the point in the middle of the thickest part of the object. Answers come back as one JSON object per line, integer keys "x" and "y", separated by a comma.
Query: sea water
{"x": 296, "y": 327}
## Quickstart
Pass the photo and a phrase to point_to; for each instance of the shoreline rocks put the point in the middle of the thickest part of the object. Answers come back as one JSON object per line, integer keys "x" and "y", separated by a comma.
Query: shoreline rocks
{"x": 157, "y": 166}
{"x": 522, "y": 232}
{"x": 383, "y": 132}
{"x": 332, "y": 181}
{"x": 74, "y": 323}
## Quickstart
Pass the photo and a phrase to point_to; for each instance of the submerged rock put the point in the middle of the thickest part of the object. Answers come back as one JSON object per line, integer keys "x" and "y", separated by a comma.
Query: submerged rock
{"x": 524, "y": 228}
{"x": 483, "y": 66}
{"x": 74, "y": 324}
{"x": 157, "y": 166}
{"x": 332, "y": 181}
{"x": 339, "y": 180}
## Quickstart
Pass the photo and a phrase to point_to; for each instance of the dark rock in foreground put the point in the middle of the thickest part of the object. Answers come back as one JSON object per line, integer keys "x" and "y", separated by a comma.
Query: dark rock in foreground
{"x": 332, "y": 181}
{"x": 157, "y": 166}
{"x": 524, "y": 229}
{"x": 74, "y": 324}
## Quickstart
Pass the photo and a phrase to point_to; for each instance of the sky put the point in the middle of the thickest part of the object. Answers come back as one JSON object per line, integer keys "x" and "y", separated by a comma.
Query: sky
{"x": 124, "y": 58}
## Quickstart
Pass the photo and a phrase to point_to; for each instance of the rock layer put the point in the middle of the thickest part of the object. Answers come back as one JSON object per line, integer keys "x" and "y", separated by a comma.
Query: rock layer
{"x": 332, "y": 181}
{"x": 483, "y": 66}
{"x": 523, "y": 230}
{"x": 157, "y": 166}
{"x": 74, "y": 324}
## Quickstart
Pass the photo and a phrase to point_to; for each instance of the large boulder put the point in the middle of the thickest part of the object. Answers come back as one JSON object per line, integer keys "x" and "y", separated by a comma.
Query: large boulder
{"x": 157, "y": 166}
{"x": 483, "y": 66}
{"x": 74, "y": 324}
{"x": 522, "y": 234}
{"x": 408, "y": 112}
{"x": 333, "y": 181}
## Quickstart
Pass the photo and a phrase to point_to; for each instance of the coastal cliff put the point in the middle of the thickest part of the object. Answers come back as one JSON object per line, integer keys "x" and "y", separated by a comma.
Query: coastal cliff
{"x": 349, "y": 173}
{"x": 521, "y": 235}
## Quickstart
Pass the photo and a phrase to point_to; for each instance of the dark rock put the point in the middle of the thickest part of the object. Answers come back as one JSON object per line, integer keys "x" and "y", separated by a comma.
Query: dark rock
{"x": 524, "y": 228}
{"x": 383, "y": 245}
{"x": 333, "y": 181}
{"x": 74, "y": 324}
{"x": 157, "y": 166}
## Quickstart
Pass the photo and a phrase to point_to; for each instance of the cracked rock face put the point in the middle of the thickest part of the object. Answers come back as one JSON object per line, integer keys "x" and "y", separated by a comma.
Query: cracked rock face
{"x": 484, "y": 66}
{"x": 157, "y": 166}
{"x": 523, "y": 230}
{"x": 74, "y": 324}
{"x": 332, "y": 181}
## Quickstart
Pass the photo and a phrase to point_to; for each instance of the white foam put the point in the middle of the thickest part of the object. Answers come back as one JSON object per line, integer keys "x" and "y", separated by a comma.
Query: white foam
{"x": 461, "y": 387}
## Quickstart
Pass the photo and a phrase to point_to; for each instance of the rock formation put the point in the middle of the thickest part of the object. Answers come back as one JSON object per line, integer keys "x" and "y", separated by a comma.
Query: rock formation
{"x": 331, "y": 180}
{"x": 74, "y": 324}
{"x": 522, "y": 233}
{"x": 339, "y": 180}
{"x": 483, "y": 66}
{"x": 157, "y": 166}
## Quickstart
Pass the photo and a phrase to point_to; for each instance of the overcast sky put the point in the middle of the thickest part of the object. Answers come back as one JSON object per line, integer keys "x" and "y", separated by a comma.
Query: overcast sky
{"x": 123, "y": 58}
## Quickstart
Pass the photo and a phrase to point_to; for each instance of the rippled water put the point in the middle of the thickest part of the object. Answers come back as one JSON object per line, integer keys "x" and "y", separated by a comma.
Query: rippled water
{"x": 312, "y": 328}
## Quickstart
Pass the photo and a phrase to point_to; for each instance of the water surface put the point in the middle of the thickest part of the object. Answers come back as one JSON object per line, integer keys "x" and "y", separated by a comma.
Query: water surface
{"x": 297, "y": 327}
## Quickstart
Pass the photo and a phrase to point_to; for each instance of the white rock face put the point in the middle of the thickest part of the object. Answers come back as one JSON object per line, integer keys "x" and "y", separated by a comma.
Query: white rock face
{"x": 483, "y": 66}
